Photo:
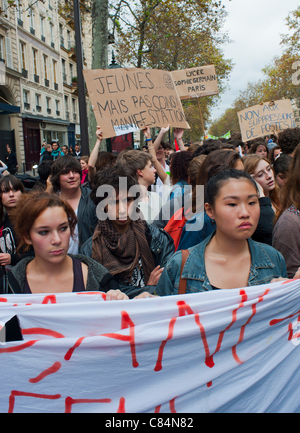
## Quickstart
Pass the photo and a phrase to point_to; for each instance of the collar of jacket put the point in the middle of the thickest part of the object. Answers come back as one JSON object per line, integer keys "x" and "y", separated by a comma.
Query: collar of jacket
{"x": 96, "y": 273}
{"x": 156, "y": 238}
{"x": 194, "y": 268}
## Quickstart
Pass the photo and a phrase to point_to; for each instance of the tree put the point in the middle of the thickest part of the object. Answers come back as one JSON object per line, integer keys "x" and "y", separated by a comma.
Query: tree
{"x": 276, "y": 85}
{"x": 171, "y": 35}
{"x": 99, "y": 53}
{"x": 292, "y": 42}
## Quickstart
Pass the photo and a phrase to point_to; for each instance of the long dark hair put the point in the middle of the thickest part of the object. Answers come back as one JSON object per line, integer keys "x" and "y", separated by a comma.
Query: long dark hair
{"x": 6, "y": 184}
{"x": 290, "y": 192}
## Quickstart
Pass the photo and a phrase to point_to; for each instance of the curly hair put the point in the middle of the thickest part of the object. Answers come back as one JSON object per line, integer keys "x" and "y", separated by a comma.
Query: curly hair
{"x": 109, "y": 177}
{"x": 288, "y": 140}
{"x": 179, "y": 166}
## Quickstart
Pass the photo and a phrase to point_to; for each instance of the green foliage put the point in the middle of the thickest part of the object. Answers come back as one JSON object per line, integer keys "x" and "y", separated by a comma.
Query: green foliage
{"x": 276, "y": 85}
{"x": 172, "y": 35}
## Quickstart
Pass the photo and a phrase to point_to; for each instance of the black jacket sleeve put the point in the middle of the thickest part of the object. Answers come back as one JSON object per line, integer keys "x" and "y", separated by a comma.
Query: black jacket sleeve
{"x": 263, "y": 232}
{"x": 108, "y": 283}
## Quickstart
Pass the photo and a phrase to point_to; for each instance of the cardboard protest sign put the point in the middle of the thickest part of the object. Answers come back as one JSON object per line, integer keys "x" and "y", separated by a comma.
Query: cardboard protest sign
{"x": 220, "y": 351}
{"x": 264, "y": 119}
{"x": 297, "y": 118}
{"x": 127, "y": 100}
{"x": 196, "y": 82}
{"x": 296, "y": 108}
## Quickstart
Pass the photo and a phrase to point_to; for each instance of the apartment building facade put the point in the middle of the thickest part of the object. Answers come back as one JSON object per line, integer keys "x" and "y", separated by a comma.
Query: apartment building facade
{"x": 39, "y": 60}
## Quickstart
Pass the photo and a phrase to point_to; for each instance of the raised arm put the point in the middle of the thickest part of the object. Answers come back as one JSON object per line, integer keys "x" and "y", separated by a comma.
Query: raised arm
{"x": 160, "y": 171}
{"x": 160, "y": 136}
{"x": 94, "y": 154}
{"x": 178, "y": 134}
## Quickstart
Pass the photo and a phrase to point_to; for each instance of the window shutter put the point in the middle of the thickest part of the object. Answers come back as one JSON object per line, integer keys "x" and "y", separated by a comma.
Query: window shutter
{"x": 9, "y": 62}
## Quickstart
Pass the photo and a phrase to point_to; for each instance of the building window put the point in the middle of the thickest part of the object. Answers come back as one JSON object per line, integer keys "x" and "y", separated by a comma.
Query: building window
{"x": 31, "y": 21}
{"x": 48, "y": 105}
{"x": 67, "y": 112}
{"x": 61, "y": 35}
{"x": 57, "y": 107}
{"x": 46, "y": 70}
{"x": 38, "y": 103}
{"x": 71, "y": 72}
{"x": 23, "y": 55}
{"x": 64, "y": 70}
{"x": 55, "y": 75}
{"x": 9, "y": 60}
{"x": 51, "y": 35}
{"x": 19, "y": 12}
{"x": 69, "y": 39}
{"x": 26, "y": 100}
{"x": 42, "y": 29}
{"x": 5, "y": 8}
{"x": 45, "y": 66}
{"x": 35, "y": 69}
{"x": 1, "y": 48}
{"x": 74, "y": 110}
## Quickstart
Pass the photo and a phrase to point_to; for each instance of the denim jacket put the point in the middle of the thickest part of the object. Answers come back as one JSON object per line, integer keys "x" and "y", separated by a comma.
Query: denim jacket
{"x": 266, "y": 264}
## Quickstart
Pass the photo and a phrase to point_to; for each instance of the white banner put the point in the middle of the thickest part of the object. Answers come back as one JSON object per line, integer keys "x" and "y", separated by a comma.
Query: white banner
{"x": 222, "y": 351}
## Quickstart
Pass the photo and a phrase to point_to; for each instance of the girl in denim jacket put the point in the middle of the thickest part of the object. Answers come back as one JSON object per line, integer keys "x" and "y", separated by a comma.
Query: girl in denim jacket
{"x": 228, "y": 258}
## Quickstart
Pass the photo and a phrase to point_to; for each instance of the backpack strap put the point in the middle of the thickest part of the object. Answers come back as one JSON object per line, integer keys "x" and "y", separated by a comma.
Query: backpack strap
{"x": 182, "y": 282}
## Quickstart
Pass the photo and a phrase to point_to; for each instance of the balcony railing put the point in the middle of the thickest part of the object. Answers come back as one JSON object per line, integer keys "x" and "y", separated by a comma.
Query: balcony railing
{"x": 36, "y": 78}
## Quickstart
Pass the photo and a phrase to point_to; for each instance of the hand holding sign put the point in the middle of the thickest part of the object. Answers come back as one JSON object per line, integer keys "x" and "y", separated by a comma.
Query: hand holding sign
{"x": 99, "y": 133}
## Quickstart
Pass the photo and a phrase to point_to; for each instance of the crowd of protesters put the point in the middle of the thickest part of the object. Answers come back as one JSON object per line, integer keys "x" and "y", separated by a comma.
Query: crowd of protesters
{"x": 216, "y": 215}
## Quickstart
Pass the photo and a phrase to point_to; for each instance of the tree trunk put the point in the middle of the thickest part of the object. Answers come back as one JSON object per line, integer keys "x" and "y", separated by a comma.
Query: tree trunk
{"x": 99, "y": 54}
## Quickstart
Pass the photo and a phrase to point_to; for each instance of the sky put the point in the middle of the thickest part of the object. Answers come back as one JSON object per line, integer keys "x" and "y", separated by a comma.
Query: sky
{"x": 254, "y": 27}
